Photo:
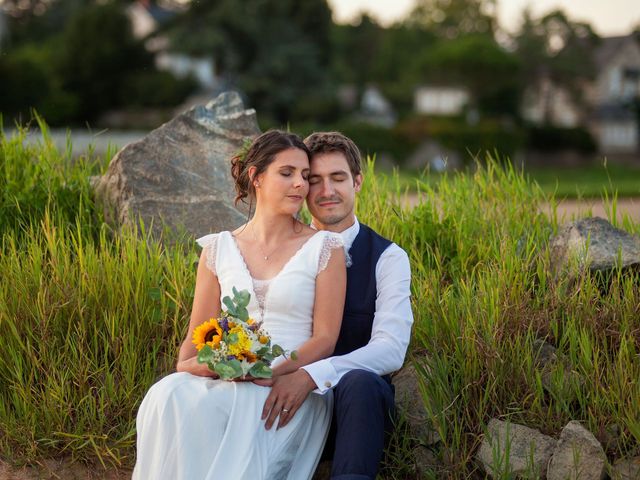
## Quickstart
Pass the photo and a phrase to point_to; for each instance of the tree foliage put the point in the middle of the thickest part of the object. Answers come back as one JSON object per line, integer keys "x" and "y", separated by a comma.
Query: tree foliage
{"x": 454, "y": 18}
{"x": 276, "y": 51}
{"x": 556, "y": 47}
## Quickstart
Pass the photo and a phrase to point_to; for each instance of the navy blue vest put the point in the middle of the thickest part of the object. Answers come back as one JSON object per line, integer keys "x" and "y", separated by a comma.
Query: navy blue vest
{"x": 360, "y": 302}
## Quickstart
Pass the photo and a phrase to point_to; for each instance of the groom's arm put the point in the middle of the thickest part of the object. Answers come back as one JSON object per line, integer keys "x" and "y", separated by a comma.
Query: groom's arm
{"x": 391, "y": 331}
{"x": 383, "y": 354}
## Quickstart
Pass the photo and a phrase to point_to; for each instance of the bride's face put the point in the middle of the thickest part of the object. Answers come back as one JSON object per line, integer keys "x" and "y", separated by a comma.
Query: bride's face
{"x": 283, "y": 186}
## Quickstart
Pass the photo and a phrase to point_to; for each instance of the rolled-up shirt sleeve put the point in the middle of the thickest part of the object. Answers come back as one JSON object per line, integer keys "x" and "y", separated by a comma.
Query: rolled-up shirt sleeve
{"x": 391, "y": 331}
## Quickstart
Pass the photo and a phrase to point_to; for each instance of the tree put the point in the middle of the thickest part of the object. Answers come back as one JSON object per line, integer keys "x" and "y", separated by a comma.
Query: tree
{"x": 479, "y": 63}
{"x": 555, "y": 48}
{"x": 276, "y": 51}
{"x": 97, "y": 54}
{"x": 455, "y": 18}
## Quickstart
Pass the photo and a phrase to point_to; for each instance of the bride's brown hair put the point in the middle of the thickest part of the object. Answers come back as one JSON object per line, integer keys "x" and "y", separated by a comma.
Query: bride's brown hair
{"x": 260, "y": 154}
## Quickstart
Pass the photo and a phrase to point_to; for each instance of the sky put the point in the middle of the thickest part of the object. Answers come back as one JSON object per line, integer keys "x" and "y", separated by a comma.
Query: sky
{"x": 607, "y": 17}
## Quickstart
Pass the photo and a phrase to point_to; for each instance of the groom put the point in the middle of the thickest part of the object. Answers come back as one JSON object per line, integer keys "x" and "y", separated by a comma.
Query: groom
{"x": 376, "y": 325}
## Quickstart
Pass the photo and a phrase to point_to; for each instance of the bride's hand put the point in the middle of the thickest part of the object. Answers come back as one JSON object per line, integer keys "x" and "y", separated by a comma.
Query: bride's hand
{"x": 192, "y": 366}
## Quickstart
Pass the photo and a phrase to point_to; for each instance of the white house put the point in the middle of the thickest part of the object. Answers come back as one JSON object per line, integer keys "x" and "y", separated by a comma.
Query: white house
{"x": 546, "y": 102}
{"x": 145, "y": 18}
{"x": 617, "y": 85}
{"x": 607, "y": 107}
{"x": 440, "y": 100}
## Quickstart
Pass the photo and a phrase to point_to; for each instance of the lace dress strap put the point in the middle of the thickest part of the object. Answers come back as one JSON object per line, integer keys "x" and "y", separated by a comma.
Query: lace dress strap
{"x": 209, "y": 244}
{"x": 330, "y": 242}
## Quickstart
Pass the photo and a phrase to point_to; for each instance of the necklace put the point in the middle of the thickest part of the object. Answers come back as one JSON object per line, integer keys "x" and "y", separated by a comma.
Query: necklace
{"x": 255, "y": 237}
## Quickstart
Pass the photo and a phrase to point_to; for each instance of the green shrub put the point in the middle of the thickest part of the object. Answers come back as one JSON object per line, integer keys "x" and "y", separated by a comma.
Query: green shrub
{"x": 468, "y": 140}
{"x": 35, "y": 178}
{"x": 550, "y": 139}
{"x": 155, "y": 89}
{"x": 25, "y": 85}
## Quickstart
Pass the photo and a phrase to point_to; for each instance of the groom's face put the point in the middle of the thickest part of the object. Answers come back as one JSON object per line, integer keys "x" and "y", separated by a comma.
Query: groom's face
{"x": 332, "y": 190}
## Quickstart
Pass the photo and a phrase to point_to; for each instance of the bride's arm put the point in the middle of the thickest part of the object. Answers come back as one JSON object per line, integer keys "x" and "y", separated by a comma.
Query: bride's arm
{"x": 206, "y": 304}
{"x": 327, "y": 315}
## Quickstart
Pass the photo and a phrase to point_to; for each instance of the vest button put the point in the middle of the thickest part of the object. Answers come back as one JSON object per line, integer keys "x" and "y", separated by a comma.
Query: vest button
{"x": 327, "y": 384}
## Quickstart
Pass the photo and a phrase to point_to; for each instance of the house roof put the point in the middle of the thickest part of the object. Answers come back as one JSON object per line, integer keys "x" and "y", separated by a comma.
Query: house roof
{"x": 609, "y": 48}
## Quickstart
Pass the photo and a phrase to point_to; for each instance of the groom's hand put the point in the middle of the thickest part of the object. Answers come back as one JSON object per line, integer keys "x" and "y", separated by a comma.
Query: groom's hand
{"x": 288, "y": 392}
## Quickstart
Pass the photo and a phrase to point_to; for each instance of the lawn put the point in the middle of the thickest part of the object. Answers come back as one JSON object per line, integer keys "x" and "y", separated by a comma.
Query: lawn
{"x": 589, "y": 181}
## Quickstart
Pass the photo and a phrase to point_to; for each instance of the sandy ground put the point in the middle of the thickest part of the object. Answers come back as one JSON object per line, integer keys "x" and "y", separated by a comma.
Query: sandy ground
{"x": 63, "y": 469}
{"x": 570, "y": 209}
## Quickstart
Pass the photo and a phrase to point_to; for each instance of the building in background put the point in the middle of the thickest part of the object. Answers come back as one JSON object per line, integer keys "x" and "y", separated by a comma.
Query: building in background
{"x": 440, "y": 100}
{"x": 614, "y": 95}
{"x": 146, "y": 17}
{"x": 607, "y": 106}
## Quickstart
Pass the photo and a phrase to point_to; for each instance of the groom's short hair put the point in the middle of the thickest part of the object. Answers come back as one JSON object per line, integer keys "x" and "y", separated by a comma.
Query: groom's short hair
{"x": 328, "y": 142}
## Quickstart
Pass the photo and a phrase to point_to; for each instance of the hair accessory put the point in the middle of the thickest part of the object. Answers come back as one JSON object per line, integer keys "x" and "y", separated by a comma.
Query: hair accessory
{"x": 241, "y": 155}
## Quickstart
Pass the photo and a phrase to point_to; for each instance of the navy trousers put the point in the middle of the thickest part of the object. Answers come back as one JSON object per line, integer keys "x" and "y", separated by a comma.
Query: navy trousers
{"x": 362, "y": 420}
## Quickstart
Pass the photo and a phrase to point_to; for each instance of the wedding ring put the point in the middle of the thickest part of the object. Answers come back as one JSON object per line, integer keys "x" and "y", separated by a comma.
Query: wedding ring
{"x": 285, "y": 410}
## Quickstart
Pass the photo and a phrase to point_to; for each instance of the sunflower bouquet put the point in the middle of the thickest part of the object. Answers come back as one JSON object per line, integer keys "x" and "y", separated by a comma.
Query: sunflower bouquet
{"x": 234, "y": 345}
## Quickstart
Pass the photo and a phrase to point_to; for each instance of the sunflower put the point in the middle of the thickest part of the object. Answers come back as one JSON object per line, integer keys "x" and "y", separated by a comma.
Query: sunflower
{"x": 209, "y": 333}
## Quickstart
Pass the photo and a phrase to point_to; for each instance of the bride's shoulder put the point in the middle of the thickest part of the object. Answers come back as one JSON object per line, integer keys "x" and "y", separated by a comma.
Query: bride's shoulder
{"x": 210, "y": 239}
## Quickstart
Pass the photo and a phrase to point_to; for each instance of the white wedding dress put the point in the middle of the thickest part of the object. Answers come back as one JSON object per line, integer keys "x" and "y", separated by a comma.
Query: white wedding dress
{"x": 196, "y": 428}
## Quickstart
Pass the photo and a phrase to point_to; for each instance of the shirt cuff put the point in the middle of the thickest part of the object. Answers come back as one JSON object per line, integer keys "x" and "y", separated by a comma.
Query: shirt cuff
{"x": 323, "y": 374}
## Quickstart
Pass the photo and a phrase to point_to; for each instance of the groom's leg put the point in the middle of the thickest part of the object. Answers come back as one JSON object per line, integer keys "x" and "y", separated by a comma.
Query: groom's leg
{"x": 362, "y": 414}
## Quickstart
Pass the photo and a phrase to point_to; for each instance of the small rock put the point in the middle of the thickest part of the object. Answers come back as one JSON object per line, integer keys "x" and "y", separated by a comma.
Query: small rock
{"x": 626, "y": 469}
{"x": 595, "y": 244}
{"x": 578, "y": 455}
{"x": 528, "y": 450}
{"x": 425, "y": 461}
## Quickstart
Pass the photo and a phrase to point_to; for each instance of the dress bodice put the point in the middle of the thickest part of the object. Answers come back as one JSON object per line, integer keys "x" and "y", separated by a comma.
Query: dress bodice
{"x": 285, "y": 302}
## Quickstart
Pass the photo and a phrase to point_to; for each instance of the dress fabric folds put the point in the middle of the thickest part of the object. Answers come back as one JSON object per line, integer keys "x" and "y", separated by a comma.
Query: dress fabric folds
{"x": 198, "y": 428}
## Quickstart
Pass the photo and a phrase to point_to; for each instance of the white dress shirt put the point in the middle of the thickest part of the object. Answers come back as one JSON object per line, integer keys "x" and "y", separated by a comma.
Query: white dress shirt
{"x": 391, "y": 330}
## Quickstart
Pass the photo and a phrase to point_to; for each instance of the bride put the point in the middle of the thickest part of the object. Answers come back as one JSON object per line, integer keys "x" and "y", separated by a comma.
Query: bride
{"x": 192, "y": 425}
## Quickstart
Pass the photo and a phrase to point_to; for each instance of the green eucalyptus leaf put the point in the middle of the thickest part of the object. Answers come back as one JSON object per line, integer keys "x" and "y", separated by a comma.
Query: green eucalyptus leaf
{"x": 232, "y": 339}
{"x": 261, "y": 370}
{"x": 225, "y": 370}
{"x": 231, "y": 307}
{"x": 277, "y": 350}
{"x": 294, "y": 355}
{"x": 242, "y": 314}
{"x": 205, "y": 354}
{"x": 262, "y": 351}
{"x": 242, "y": 298}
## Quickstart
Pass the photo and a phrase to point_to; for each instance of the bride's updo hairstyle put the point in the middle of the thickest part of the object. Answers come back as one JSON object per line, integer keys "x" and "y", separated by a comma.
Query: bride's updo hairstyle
{"x": 261, "y": 153}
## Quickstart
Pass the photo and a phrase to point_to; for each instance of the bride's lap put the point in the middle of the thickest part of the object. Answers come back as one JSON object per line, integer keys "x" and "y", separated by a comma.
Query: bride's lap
{"x": 191, "y": 427}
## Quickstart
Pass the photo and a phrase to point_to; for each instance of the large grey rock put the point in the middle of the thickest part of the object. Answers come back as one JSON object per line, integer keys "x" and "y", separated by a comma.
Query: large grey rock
{"x": 411, "y": 406}
{"x": 179, "y": 173}
{"x": 578, "y": 455}
{"x": 509, "y": 448}
{"x": 626, "y": 469}
{"x": 595, "y": 244}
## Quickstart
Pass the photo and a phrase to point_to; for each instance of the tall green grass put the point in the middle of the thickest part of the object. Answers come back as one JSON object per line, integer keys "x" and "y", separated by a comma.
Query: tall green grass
{"x": 483, "y": 293}
{"x": 35, "y": 177}
{"x": 89, "y": 320}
